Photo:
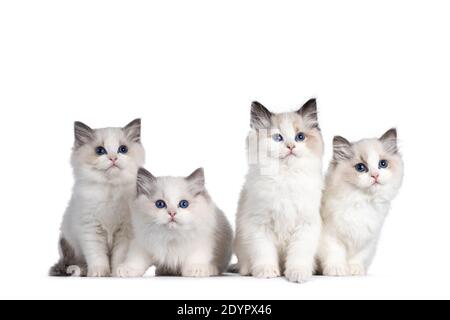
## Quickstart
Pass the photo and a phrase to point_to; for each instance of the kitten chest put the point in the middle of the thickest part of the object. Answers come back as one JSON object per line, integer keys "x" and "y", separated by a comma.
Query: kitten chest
{"x": 112, "y": 212}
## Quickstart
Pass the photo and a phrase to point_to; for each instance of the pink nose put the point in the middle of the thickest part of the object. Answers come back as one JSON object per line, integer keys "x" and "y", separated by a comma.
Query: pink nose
{"x": 375, "y": 176}
{"x": 172, "y": 214}
{"x": 291, "y": 147}
{"x": 113, "y": 159}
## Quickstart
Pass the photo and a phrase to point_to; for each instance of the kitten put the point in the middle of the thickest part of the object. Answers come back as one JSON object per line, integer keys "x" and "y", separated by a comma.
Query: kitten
{"x": 363, "y": 178}
{"x": 96, "y": 225}
{"x": 178, "y": 228}
{"x": 278, "y": 218}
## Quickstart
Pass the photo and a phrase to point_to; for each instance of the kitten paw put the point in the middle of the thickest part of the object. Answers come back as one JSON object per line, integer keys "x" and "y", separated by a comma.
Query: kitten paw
{"x": 336, "y": 271}
{"x": 266, "y": 272}
{"x": 125, "y": 271}
{"x": 357, "y": 270}
{"x": 98, "y": 271}
{"x": 199, "y": 271}
{"x": 299, "y": 274}
{"x": 244, "y": 271}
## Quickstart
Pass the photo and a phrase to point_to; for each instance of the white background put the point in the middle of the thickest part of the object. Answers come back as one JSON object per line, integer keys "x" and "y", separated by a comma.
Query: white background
{"x": 190, "y": 69}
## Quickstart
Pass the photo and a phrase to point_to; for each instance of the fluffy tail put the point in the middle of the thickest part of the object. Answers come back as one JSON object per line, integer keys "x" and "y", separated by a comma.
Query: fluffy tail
{"x": 68, "y": 265}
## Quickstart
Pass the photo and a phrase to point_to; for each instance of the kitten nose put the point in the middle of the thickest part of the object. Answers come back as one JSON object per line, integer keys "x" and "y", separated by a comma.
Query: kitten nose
{"x": 172, "y": 214}
{"x": 376, "y": 175}
{"x": 291, "y": 146}
{"x": 113, "y": 158}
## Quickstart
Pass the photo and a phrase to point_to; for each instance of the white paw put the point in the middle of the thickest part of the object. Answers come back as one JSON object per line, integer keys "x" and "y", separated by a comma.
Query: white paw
{"x": 299, "y": 274}
{"x": 126, "y": 271}
{"x": 336, "y": 271}
{"x": 244, "y": 271}
{"x": 266, "y": 271}
{"x": 199, "y": 271}
{"x": 357, "y": 270}
{"x": 98, "y": 271}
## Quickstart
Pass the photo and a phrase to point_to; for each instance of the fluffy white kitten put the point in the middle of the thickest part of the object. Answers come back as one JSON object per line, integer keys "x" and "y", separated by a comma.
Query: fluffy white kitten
{"x": 95, "y": 230}
{"x": 278, "y": 219}
{"x": 178, "y": 228}
{"x": 363, "y": 179}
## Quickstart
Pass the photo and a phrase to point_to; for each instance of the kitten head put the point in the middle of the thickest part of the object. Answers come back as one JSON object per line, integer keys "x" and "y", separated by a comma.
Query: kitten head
{"x": 288, "y": 136}
{"x": 175, "y": 203}
{"x": 371, "y": 164}
{"x": 111, "y": 155}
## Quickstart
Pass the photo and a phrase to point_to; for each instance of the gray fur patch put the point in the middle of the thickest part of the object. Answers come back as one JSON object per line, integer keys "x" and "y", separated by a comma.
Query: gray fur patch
{"x": 83, "y": 134}
{"x": 389, "y": 141}
{"x": 68, "y": 263}
{"x": 342, "y": 149}
{"x": 309, "y": 113}
{"x": 145, "y": 182}
{"x": 260, "y": 116}
{"x": 197, "y": 181}
{"x": 133, "y": 131}
{"x": 163, "y": 271}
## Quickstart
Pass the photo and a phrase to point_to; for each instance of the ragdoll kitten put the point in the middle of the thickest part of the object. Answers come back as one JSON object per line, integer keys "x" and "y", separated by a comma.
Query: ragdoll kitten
{"x": 96, "y": 226}
{"x": 363, "y": 178}
{"x": 278, "y": 218}
{"x": 178, "y": 228}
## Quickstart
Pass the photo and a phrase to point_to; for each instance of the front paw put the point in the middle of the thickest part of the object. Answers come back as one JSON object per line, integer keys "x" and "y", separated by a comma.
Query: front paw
{"x": 299, "y": 274}
{"x": 199, "y": 271}
{"x": 266, "y": 271}
{"x": 98, "y": 271}
{"x": 127, "y": 271}
{"x": 357, "y": 270}
{"x": 338, "y": 270}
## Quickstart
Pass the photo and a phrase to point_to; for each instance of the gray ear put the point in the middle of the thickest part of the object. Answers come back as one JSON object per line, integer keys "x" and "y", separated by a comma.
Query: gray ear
{"x": 342, "y": 149}
{"x": 83, "y": 134}
{"x": 197, "y": 181}
{"x": 145, "y": 182}
{"x": 309, "y": 113}
{"x": 389, "y": 140}
{"x": 260, "y": 116}
{"x": 133, "y": 130}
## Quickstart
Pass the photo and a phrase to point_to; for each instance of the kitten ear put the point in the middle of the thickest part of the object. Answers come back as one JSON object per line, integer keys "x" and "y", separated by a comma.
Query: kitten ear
{"x": 133, "y": 131}
{"x": 389, "y": 140}
{"x": 83, "y": 134}
{"x": 309, "y": 114}
{"x": 145, "y": 181}
{"x": 342, "y": 149}
{"x": 197, "y": 181}
{"x": 260, "y": 116}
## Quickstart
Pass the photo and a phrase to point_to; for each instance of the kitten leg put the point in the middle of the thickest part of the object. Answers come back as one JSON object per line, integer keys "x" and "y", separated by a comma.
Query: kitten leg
{"x": 301, "y": 252}
{"x": 359, "y": 262}
{"x": 333, "y": 257}
{"x": 136, "y": 263}
{"x": 263, "y": 254}
{"x": 198, "y": 263}
{"x": 94, "y": 246}
{"x": 120, "y": 249}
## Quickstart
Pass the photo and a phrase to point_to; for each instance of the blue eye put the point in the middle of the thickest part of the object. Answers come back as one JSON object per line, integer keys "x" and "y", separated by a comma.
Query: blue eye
{"x": 100, "y": 151}
{"x": 184, "y": 204}
{"x": 300, "y": 137}
{"x": 361, "y": 167}
{"x": 278, "y": 137}
{"x": 383, "y": 164}
{"x": 160, "y": 204}
{"x": 123, "y": 149}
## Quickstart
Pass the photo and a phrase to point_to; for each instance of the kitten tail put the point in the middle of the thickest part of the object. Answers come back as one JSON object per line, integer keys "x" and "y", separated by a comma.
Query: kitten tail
{"x": 67, "y": 266}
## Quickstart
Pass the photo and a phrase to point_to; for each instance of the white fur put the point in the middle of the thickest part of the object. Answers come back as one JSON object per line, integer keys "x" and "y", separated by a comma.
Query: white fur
{"x": 278, "y": 219}
{"x": 354, "y": 209}
{"x": 97, "y": 221}
{"x": 185, "y": 247}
